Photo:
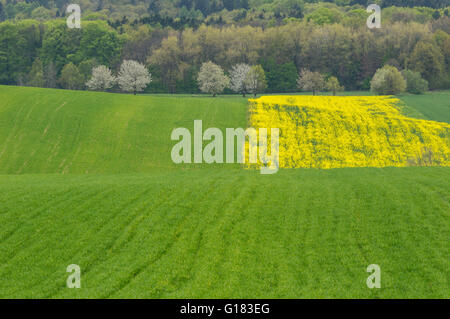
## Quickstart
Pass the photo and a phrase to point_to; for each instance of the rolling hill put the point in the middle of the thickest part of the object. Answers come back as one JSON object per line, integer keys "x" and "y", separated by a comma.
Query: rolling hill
{"x": 57, "y": 131}
{"x": 86, "y": 178}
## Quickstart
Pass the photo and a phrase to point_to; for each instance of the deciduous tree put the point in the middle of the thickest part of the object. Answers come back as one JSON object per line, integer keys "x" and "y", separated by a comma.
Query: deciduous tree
{"x": 101, "y": 79}
{"x": 333, "y": 85}
{"x": 429, "y": 61}
{"x": 238, "y": 75}
{"x": 71, "y": 78}
{"x": 310, "y": 81}
{"x": 133, "y": 76}
{"x": 50, "y": 75}
{"x": 36, "y": 75}
{"x": 256, "y": 80}
{"x": 169, "y": 60}
{"x": 388, "y": 81}
{"x": 414, "y": 82}
{"x": 211, "y": 79}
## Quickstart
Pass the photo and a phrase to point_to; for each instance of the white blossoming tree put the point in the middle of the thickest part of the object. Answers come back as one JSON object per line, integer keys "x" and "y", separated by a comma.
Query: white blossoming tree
{"x": 238, "y": 75}
{"x": 310, "y": 81}
{"x": 133, "y": 76}
{"x": 101, "y": 79}
{"x": 255, "y": 81}
{"x": 211, "y": 79}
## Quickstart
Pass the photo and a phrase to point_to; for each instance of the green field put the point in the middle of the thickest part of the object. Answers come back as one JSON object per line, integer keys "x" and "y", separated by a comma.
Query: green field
{"x": 57, "y": 131}
{"x": 86, "y": 178}
{"x": 433, "y": 106}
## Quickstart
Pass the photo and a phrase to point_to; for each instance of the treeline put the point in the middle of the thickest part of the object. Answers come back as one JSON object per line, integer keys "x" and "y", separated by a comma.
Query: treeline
{"x": 406, "y": 3}
{"x": 178, "y": 13}
{"x": 49, "y": 54}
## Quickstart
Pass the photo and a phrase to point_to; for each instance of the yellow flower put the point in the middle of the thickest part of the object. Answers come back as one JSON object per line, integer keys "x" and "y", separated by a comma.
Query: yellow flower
{"x": 332, "y": 132}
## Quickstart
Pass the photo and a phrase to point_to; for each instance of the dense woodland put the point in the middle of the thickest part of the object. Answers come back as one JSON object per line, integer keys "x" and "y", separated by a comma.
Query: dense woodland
{"x": 241, "y": 10}
{"x": 174, "y": 37}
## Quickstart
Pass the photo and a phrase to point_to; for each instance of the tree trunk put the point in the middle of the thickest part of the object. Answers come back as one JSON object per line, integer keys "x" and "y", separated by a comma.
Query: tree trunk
{"x": 214, "y": 94}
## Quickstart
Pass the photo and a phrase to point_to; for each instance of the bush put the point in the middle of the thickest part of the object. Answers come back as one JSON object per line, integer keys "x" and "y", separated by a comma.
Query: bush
{"x": 388, "y": 81}
{"x": 415, "y": 84}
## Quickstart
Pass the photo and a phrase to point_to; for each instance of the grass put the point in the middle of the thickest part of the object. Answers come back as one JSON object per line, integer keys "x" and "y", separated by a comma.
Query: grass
{"x": 432, "y": 106}
{"x": 57, "y": 131}
{"x": 227, "y": 234}
{"x": 87, "y": 179}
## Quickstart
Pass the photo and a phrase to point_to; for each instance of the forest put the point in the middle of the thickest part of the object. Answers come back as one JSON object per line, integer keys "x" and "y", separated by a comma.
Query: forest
{"x": 196, "y": 9}
{"x": 174, "y": 38}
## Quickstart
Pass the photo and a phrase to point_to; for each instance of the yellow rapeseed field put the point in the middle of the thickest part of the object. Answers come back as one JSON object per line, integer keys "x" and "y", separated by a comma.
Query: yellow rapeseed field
{"x": 332, "y": 132}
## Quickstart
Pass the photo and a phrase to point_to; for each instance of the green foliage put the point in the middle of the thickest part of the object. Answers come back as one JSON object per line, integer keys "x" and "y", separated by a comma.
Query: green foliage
{"x": 333, "y": 85}
{"x": 95, "y": 40}
{"x": 168, "y": 59}
{"x": 288, "y": 8}
{"x": 41, "y": 13}
{"x": 189, "y": 82}
{"x": 50, "y": 75}
{"x": 280, "y": 77}
{"x": 100, "y": 42}
{"x": 36, "y": 75}
{"x": 414, "y": 82}
{"x": 325, "y": 15}
{"x": 404, "y": 14}
{"x": 86, "y": 67}
{"x": 71, "y": 78}
{"x": 429, "y": 61}
{"x": 60, "y": 44}
{"x": 255, "y": 81}
{"x": 388, "y": 81}
{"x": 347, "y": 50}
{"x": 203, "y": 10}
{"x": 355, "y": 18}
{"x": 19, "y": 45}
{"x": 19, "y": 9}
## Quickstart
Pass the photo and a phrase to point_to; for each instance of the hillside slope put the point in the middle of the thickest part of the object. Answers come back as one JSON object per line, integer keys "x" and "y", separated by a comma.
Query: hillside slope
{"x": 141, "y": 227}
{"x": 212, "y": 233}
{"x": 433, "y": 105}
{"x": 350, "y": 131}
{"x": 58, "y": 131}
